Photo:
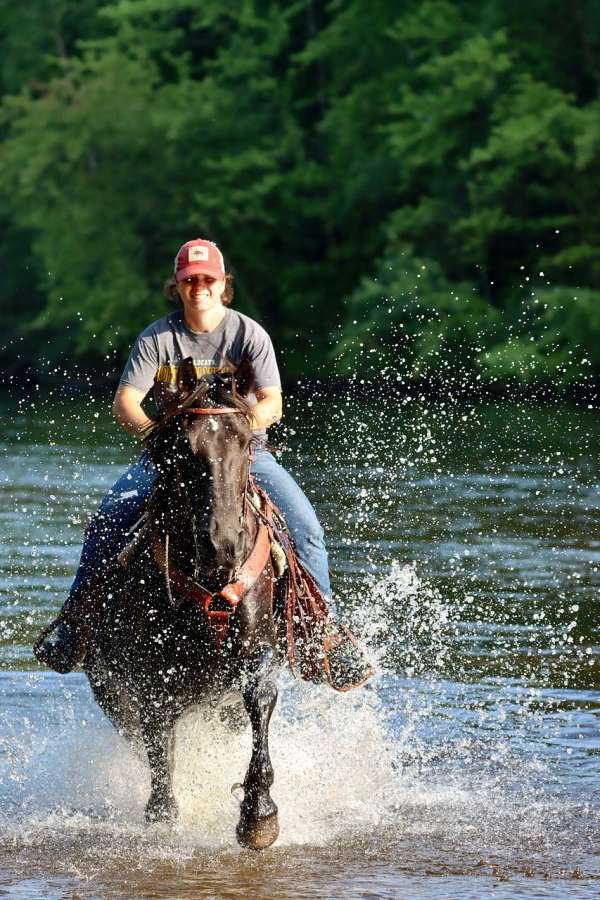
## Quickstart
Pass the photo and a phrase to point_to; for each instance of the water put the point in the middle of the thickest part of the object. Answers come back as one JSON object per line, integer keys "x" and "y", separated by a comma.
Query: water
{"x": 465, "y": 547}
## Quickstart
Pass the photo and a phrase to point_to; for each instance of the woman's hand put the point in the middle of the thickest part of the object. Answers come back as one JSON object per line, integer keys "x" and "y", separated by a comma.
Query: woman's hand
{"x": 127, "y": 410}
{"x": 268, "y": 409}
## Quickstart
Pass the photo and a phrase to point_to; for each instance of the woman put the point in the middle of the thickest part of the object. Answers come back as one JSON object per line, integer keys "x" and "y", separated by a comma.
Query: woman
{"x": 218, "y": 339}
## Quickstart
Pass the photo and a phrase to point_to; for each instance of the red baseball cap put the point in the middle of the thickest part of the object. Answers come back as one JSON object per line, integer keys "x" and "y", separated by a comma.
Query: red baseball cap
{"x": 199, "y": 257}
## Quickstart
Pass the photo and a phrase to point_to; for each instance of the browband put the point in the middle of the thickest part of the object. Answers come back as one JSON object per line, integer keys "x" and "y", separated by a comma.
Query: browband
{"x": 213, "y": 411}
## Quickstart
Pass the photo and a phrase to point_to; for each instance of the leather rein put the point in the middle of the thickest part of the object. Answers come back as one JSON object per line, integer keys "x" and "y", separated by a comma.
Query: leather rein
{"x": 219, "y": 605}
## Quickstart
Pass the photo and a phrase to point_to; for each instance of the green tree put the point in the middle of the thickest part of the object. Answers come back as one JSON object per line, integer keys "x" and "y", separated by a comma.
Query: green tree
{"x": 333, "y": 149}
{"x": 125, "y": 154}
{"x": 495, "y": 171}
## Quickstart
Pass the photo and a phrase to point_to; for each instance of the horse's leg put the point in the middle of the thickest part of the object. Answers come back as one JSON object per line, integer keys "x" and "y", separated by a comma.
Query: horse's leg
{"x": 258, "y": 826}
{"x": 159, "y": 740}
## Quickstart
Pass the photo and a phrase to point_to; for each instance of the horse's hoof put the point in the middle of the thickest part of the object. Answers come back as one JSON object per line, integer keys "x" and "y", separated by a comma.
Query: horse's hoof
{"x": 258, "y": 834}
{"x": 160, "y": 810}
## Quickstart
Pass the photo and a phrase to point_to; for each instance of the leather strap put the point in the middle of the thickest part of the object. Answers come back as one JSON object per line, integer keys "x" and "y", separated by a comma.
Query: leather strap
{"x": 214, "y": 411}
{"x": 232, "y": 593}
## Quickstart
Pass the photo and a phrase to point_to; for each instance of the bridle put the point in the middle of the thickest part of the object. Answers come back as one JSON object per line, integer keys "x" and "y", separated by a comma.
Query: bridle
{"x": 213, "y": 411}
{"x": 217, "y": 605}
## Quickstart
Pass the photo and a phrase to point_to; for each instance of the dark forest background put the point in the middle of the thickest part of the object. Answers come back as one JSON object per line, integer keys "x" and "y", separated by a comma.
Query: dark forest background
{"x": 409, "y": 188}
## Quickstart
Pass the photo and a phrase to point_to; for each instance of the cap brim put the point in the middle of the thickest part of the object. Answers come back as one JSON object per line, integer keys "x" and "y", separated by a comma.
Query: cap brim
{"x": 199, "y": 269}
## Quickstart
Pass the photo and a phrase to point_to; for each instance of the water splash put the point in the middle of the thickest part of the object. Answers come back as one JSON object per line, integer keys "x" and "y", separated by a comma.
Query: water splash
{"x": 406, "y": 621}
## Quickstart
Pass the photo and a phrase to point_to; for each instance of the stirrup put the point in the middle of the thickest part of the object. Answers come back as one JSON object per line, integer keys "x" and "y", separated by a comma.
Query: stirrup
{"x": 344, "y": 661}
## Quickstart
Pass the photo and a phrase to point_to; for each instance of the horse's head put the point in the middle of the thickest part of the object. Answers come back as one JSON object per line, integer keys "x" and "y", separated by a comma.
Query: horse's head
{"x": 202, "y": 452}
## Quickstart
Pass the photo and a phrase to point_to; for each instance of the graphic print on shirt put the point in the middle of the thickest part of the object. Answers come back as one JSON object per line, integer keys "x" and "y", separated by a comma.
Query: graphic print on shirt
{"x": 168, "y": 372}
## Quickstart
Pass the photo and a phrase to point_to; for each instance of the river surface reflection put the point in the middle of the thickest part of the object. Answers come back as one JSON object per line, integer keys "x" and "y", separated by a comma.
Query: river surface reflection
{"x": 465, "y": 548}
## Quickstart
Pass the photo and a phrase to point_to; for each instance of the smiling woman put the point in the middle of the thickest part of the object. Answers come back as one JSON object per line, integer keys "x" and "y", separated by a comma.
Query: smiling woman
{"x": 201, "y": 295}
{"x": 214, "y": 340}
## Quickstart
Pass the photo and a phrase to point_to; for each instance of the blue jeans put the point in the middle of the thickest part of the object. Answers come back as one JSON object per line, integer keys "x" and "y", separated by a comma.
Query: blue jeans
{"x": 107, "y": 533}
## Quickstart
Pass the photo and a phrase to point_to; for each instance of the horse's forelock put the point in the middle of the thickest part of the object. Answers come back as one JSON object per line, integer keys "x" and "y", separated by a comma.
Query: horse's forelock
{"x": 213, "y": 433}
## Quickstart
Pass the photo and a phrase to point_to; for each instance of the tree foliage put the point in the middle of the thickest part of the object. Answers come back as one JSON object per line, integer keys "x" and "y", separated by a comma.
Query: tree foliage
{"x": 415, "y": 185}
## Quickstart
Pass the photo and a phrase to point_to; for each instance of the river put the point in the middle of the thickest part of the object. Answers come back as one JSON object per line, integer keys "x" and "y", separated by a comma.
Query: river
{"x": 465, "y": 549}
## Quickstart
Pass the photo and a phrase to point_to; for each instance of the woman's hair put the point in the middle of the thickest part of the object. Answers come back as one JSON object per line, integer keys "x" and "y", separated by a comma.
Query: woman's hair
{"x": 170, "y": 291}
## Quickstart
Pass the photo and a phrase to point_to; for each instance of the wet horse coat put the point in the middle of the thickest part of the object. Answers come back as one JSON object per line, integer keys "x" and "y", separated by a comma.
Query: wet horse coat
{"x": 155, "y": 652}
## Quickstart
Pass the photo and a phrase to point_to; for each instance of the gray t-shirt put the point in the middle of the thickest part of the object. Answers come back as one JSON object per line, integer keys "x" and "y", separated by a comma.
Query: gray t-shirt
{"x": 161, "y": 348}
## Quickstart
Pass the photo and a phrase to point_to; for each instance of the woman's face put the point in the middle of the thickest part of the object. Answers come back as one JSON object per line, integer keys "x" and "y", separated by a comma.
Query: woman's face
{"x": 200, "y": 293}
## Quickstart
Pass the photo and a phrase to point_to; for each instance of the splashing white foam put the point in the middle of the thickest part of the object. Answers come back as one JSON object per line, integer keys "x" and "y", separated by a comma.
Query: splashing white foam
{"x": 345, "y": 766}
{"x": 406, "y": 621}
{"x": 334, "y": 767}
{"x": 332, "y": 761}
{"x": 375, "y": 761}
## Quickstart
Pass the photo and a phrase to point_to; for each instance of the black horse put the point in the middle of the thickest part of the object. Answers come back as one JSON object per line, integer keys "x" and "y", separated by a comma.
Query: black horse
{"x": 191, "y": 615}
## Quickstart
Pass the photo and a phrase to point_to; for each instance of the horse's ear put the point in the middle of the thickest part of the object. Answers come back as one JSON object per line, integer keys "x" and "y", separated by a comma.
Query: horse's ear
{"x": 187, "y": 377}
{"x": 244, "y": 377}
